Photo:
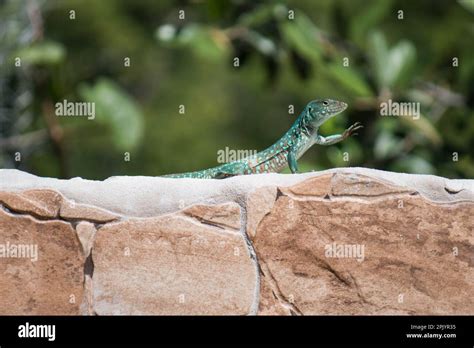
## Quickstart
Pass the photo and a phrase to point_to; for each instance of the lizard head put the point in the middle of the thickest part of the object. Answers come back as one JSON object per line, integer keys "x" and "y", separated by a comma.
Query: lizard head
{"x": 319, "y": 111}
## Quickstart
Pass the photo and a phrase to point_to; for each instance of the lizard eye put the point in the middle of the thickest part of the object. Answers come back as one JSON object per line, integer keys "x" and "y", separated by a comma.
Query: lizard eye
{"x": 325, "y": 103}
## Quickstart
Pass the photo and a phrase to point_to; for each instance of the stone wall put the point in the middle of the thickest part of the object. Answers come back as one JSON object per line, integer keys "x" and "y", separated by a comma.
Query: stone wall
{"x": 343, "y": 241}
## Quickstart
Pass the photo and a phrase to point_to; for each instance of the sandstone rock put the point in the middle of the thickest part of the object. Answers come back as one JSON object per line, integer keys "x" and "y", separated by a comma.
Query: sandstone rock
{"x": 87, "y": 305}
{"x": 319, "y": 186}
{"x": 75, "y": 211}
{"x": 363, "y": 186}
{"x": 418, "y": 255}
{"x": 261, "y": 202}
{"x": 39, "y": 203}
{"x": 50, "y": 285}
{"x": 45, "y": 203}
{"x": 86, "y": 233}
{"x": 225, "y": 215}
{"x": 173, "y": 265}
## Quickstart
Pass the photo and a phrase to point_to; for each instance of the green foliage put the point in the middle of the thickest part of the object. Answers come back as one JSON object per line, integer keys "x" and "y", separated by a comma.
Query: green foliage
{"x": 260, "y": 15}
{"x": 204, "y": 41}
{"x": 115, "y": 109}
{"x": 393, "y": 67}
{"x": 350, "y": 79}
{"x": 301, "y": 34}
{"x": 468, "y": 4}
{"x": 367, "y": 17}
{"x": 358, "y": 51}
{"x": 42, "y": 53}
{"x": 387, "y": 145}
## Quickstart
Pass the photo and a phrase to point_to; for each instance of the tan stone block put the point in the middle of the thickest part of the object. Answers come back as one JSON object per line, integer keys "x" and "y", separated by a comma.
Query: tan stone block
{"x": 86, "y": 232}
{"x": 360, "y": 185}
{"x": 71, "y": 210}
{"x": 418, "y": 255}
{"x": 40, "y": 202}
{"x": 260, "y": 202}
{"x": 227, "y": 216}
{"x": 51, "y": 285}
{"x": 172, "y": 265}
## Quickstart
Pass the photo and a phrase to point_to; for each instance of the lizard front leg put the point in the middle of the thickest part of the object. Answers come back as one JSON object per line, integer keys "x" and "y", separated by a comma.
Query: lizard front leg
{"x": 333, "y": 139}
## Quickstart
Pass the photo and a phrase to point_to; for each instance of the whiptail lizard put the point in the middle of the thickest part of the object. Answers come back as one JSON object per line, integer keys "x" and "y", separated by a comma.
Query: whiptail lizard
{"x": 300, "y": 137}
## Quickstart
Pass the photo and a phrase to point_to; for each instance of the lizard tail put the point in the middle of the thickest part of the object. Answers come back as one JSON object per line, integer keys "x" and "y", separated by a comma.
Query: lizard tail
{"x": 201, "y": 174}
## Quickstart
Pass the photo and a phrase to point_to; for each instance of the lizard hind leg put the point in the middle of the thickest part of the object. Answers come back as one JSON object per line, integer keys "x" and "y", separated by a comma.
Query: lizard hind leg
{"x": 224, "y": 175}
{"x": 292, "y": 162}
{"x": 230, "y": 170}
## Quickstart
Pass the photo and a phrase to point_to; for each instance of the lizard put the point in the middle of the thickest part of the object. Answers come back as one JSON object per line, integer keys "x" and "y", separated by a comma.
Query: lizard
{"x": 303, "y": 134}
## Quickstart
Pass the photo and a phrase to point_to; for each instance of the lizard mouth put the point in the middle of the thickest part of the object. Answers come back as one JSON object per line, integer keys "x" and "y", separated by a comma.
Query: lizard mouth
{"x": 338, "y": 107}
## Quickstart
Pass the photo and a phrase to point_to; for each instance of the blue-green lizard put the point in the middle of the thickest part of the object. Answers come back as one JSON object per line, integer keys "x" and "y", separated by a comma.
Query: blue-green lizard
{"x": 286, "y": 151}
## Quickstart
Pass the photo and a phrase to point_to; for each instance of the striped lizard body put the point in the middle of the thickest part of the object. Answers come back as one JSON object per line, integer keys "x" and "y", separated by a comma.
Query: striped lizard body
{"x": 285, "y": 152}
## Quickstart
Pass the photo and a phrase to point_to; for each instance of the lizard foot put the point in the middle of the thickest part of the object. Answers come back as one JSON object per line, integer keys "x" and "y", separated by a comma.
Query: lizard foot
{"x": 223, "y": 175}
{"x": 352, "y": 129}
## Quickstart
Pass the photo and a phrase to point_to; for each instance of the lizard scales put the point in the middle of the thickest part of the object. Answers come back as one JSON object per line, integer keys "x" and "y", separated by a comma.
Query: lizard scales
{"x": 288, "y": 149}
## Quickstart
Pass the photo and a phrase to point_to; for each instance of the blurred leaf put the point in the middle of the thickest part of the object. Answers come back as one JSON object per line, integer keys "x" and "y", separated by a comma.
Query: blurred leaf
{"x": 302, "y": 35}
{"x": 368, "y": 17}
{"x": 420, "y": 96}
{"x": 259, "y": 16}
{"x": 350, "y": 79}
{"x": 205, "y": 42}
{"x": 392, "y": 67}
{"x": 467, "y": 4}
{"x": 424, "y": 127}
{"x": 386, "y": 144}
{"x": 200, "y": 39}
{"x": 401, "y": 60}
{"x": 379, "y": 51}
{"x": 261, "y": 43}
{"x": 42, "y": 53}
{"x": 116, "y": 109}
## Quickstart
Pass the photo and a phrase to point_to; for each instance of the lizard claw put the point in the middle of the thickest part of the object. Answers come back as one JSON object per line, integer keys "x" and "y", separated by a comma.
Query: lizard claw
{"x": 351, "y": 130}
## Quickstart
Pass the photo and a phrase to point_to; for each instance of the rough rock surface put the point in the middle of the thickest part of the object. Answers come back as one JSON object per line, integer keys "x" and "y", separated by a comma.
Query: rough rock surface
{"x": 343, "y": 241}
{"x": 174, "y": 265}
{"x": 418, "y": 256}
{"x": 41, "y": 266}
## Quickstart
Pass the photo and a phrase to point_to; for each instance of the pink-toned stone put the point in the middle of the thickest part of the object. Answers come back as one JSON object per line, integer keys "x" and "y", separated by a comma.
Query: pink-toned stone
{"x": 418, "y": 255}
{"x": 52, "y": 285}
{"x": 71, "y": 210}
{"x": 261, "y": 202}
{"x": 40, "y": 202}
{"x": 86, "y": 233}
{"x": 319, "y": 186}
{"x": 361, "y": 185}
{"x": 87, "y": 305}
{"x": 227, "y": 216}
{"x": 172, "y": 265}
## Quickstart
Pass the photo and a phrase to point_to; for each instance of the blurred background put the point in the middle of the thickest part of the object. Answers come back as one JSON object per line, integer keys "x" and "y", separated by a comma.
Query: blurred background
{"x": 139, "y": 61}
